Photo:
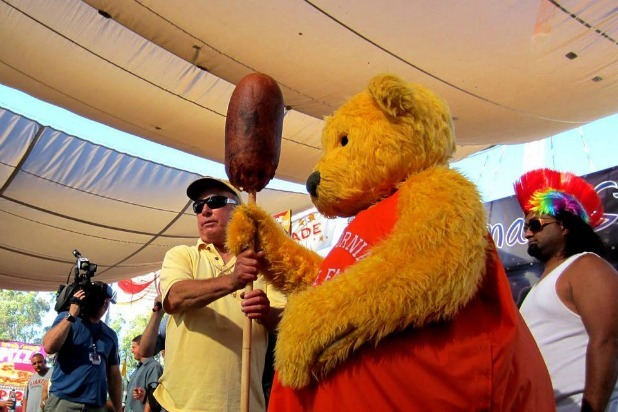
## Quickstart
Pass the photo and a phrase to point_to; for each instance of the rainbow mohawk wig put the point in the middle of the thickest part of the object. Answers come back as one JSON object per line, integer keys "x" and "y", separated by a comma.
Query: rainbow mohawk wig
{"x": 547, "y": 192}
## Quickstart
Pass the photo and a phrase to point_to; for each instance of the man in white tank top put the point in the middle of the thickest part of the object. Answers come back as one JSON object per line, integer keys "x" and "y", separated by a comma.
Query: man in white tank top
{"x": 572, "y": 311}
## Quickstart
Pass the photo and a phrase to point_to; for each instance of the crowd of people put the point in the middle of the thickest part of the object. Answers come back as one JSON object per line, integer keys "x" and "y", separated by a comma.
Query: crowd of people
{"x": 572, "y": 313}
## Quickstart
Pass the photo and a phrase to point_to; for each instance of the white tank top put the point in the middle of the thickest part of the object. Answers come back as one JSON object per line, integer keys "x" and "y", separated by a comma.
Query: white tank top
{"x": 560, "y": 334}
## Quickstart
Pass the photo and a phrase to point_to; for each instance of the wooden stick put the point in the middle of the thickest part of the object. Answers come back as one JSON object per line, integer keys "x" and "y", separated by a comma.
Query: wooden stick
{"x": 245, "y": 377}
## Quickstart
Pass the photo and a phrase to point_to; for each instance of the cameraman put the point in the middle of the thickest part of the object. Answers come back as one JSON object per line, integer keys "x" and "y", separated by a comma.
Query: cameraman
{"x": 87, "y": 362}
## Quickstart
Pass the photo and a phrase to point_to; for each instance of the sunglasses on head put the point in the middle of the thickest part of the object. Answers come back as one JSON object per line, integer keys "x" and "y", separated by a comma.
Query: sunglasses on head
{"x": 537, "y": 224}
{"x": 213, "y": 202}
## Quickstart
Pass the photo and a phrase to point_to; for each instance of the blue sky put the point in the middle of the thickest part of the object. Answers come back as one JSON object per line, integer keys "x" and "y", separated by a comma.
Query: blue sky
{"x": 582, "y": 150}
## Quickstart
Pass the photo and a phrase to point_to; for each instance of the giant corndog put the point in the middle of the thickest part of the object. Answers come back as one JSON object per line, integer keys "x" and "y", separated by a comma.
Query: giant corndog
{"x": 252, "y": 145}
{"x": 253, "y": 132}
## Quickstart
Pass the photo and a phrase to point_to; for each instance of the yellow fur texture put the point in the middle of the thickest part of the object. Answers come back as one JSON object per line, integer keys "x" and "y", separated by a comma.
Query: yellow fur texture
{"x": 393, "y": 136}
{"x": 291, "y": 267}
{"x": 382, "y": 149}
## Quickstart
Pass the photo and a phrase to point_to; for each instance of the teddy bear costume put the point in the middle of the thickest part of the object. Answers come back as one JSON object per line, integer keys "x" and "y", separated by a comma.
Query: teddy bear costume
{"x": 411, "y": 310}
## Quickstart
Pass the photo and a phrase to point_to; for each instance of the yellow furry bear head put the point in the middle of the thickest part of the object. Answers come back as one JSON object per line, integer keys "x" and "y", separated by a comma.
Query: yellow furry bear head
{"x": 375, "y": 141}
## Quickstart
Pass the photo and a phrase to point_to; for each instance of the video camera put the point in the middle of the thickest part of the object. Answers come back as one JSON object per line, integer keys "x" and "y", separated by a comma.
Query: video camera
{"x": 84, "y": 271}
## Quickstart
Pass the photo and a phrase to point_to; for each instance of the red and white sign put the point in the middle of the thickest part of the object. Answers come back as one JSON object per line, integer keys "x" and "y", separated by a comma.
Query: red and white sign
{"x": 313, "y": 231}
{"x": 15, "y": 367}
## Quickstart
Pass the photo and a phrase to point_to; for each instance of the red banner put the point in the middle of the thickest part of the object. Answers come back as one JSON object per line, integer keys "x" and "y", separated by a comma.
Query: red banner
{"x": 131, "y": 287}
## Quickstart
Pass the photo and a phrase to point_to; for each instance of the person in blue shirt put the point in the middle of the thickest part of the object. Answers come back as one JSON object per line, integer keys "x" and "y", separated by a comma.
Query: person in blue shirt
{"x": 87, "y": 361}
{"x": 147, "y": 374}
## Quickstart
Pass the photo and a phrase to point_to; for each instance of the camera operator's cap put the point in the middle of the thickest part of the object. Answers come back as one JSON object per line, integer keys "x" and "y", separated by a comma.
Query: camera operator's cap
{"x": 195, "y": 189}
{"x": 107, "y": 290}
{"x": 111, "y": 294}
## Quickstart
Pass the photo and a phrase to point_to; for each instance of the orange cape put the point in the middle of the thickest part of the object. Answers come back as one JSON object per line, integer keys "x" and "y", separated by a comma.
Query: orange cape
{"x": 483, "y": 359}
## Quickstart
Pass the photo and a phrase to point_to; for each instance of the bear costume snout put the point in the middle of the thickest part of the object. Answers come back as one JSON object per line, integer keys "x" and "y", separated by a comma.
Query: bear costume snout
{"x": 313, "y": 181}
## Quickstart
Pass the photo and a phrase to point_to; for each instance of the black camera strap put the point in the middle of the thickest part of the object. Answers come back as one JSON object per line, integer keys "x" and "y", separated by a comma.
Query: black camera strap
{"x": 95, "y": 336}
{"x": 94, "y": 356}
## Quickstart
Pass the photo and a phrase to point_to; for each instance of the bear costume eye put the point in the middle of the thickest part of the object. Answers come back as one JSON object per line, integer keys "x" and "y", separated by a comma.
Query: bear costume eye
{"x": 344, "y": 140}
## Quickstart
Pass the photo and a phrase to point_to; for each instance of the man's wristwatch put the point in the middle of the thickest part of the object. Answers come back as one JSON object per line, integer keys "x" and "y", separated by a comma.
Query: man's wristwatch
{"x": 70, "y": 318}
{"x": 157, "y": 307}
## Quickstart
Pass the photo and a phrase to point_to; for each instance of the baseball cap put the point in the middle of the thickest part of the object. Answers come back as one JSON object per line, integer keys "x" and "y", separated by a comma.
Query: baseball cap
{"x": 196, "y": 188}
{"x": 104, "y": 290}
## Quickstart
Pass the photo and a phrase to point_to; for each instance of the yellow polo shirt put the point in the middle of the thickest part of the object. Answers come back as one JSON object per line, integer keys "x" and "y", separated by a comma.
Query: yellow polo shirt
{"x": 203, "y": 346}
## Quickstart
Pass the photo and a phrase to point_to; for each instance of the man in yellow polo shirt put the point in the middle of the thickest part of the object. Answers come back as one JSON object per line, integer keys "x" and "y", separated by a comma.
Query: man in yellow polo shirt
{"x": 202, "y": 291}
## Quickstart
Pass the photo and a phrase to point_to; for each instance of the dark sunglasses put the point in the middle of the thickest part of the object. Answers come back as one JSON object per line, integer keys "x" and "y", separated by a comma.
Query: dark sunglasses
{"x": 213, "y": 202}
{"x": 537, "y": 225}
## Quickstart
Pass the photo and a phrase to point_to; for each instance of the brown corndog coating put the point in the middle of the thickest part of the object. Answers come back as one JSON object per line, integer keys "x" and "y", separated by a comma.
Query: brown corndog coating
{"x": 253, "y": 132}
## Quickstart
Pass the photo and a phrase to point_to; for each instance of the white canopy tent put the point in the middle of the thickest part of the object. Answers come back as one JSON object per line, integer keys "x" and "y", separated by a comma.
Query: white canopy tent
{"x": 60, "y": 193}
{"x": 512, "y": 71}
{"x": 165, "y": 70}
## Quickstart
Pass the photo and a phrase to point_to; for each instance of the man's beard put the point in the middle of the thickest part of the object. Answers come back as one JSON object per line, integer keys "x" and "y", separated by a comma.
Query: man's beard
{"x": 536, "y": 252}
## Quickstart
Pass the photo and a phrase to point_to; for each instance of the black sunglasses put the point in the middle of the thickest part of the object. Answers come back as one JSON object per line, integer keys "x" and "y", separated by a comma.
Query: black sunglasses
{"x": 213, "y": 202}
{"x": 537, "y": 225}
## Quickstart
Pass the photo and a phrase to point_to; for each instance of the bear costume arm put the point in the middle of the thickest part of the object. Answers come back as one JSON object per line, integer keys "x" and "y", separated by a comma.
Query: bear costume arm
{"x": 290, "y": 267}
{"x": 426, "y": 270}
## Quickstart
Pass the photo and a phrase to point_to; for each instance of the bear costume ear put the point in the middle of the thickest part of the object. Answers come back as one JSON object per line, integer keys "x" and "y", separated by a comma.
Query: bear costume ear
{"x": 392, "y": 94}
